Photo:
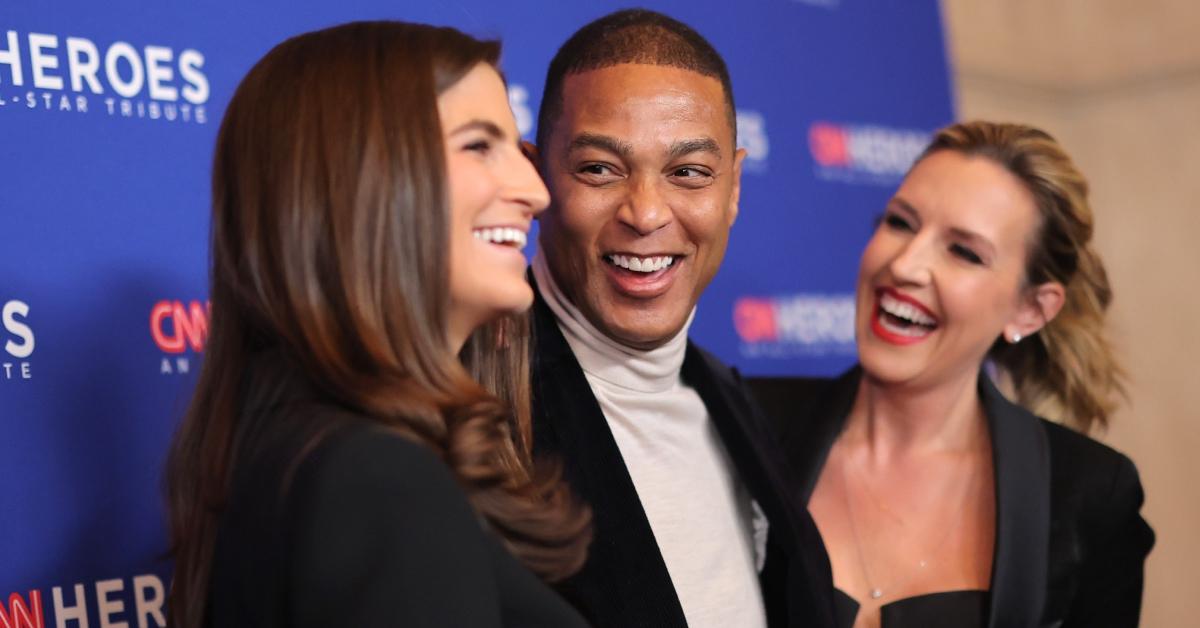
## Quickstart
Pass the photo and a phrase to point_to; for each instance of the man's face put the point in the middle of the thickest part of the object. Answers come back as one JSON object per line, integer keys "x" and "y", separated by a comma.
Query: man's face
{"x": 644, "y": 180}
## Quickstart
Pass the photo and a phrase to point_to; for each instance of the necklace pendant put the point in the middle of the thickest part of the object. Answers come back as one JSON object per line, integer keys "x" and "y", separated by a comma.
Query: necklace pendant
{"x": 876, "y": 594}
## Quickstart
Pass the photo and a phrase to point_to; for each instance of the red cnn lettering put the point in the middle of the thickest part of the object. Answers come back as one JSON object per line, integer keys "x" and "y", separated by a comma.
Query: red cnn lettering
{"x": 754, "y": 320}
{"x": 22, "y": 615}
{"x": 189, "y": 326}
{"x": 828, "y": 144}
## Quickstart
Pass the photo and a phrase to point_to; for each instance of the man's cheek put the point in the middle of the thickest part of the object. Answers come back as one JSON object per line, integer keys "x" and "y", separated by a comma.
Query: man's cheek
{"x": 584, "y": 224}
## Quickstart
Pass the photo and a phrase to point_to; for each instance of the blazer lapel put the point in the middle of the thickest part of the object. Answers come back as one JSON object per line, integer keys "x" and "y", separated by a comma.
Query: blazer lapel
{"x": 625, "y": 580}
{"x": 1021, "y": 457}
{"x": 793, "y": 540}
{"x": 730, "y": 418}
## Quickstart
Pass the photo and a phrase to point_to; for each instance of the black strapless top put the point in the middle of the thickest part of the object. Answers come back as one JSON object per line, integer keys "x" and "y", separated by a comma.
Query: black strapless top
{"x": 947, "y": 609}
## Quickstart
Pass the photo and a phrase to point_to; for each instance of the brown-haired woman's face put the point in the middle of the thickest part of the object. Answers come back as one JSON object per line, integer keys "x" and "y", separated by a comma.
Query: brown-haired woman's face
{"x": 494, "y": 194}
{"x": 942, "y": 277}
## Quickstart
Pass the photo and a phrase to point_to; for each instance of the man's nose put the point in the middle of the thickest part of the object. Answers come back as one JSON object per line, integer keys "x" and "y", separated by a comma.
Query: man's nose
{"x": 645, "y": 210}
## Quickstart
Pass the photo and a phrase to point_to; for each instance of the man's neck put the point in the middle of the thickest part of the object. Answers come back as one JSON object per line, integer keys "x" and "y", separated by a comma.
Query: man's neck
{"x": 645, "y": 370}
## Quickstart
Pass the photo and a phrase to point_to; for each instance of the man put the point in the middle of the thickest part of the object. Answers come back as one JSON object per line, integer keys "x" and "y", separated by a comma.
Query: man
{"x": 637, "y": 143}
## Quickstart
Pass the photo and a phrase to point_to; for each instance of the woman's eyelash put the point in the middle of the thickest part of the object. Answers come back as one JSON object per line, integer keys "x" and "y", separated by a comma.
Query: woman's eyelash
{"x": 966, "y": 254}
{"x": 892, "y": 220}
{"x": 479, "y": 145}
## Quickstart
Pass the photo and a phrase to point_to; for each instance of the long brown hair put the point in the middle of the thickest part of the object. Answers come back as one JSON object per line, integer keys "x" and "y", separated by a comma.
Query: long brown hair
{"x": 1068, "y": 371}
{"x": 329, "y": 232}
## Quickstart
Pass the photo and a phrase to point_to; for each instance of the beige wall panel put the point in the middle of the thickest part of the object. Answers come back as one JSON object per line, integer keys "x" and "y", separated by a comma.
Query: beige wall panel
{"x": 1129, "y": 113}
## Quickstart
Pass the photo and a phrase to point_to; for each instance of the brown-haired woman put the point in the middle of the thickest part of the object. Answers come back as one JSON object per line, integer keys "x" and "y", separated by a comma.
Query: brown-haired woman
{"x": 339, "y": 465}
{"x": 941, "y": 502}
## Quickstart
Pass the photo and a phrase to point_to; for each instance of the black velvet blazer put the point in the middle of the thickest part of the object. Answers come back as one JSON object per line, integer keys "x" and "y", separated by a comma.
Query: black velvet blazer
{"x": 1070, "y": 542}
{"x": 625, "y": 583}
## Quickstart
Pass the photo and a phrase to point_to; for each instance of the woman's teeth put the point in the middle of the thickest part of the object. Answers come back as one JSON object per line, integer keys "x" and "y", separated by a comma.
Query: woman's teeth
{"x": 907, "y": 312}
{"x": 502, "y": 235}
{"x": 641, "y": 264}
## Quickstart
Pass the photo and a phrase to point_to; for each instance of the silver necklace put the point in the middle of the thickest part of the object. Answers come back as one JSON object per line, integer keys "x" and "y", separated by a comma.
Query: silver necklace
{"x": 874, "y": 590}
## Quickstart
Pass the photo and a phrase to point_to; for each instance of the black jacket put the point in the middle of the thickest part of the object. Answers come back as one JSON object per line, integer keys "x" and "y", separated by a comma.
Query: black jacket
{"x": 625, "y": 583}
{"x": 1070, "y": 544}
{"x": 335, "y": 521}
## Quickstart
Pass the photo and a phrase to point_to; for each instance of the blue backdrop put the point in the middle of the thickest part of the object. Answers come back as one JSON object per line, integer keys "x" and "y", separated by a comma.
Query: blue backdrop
{"x": 108, "y": 113}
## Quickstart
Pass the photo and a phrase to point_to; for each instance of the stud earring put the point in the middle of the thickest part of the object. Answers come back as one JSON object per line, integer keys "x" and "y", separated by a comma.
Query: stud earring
{"x": 1016, "y": 337}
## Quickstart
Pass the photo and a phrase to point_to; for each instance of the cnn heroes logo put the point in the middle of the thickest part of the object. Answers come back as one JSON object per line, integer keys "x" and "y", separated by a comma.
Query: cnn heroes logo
{"x": 109, "y": 603}
{"x": 16, "y": 341}
{"x": 45, "y": 72}
{"x": 864, "y": 153}
{"x": 179, "y": 330}
{"x": 795, "y": 325}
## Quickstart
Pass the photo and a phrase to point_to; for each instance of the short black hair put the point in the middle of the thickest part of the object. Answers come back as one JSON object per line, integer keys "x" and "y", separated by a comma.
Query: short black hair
{"x": 630, "y": 36}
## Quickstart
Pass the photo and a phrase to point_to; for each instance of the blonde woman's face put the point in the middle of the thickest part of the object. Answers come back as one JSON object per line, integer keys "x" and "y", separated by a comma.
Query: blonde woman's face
{"x": 942, "y": 277}
{"x": 494, "y": 193}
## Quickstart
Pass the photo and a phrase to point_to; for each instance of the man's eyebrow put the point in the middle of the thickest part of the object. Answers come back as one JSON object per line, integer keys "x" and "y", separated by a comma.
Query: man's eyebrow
{"x": 697, "y": 145}
{"x": 487, "y": 126}
{"x": 602, "y": 142}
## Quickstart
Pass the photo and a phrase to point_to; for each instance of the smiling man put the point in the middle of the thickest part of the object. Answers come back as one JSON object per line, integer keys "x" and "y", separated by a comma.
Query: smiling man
{"x": 637, "y": 144}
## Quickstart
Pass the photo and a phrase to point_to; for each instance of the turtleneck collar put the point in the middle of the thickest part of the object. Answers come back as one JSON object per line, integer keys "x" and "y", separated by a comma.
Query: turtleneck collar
{"x": 648, "y": 371}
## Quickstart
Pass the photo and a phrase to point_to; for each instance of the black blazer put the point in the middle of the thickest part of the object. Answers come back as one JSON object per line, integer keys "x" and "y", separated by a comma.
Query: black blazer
{"x": 625, "y": 583}
{"x": 334, "y": 521}
{"x": 1070, "y": 544}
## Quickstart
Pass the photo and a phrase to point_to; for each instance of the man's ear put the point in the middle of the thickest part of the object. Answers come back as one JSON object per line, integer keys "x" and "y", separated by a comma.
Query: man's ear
{"x": 736, "y": 193}
{"x": 1039, "y": 305}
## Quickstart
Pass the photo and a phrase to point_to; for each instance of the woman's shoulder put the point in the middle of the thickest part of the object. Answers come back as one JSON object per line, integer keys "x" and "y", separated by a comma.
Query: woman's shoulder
{"x": 1081, "y": 459}
{"x": 309, "y": 455}
{"x": 1095, "y": 485}
{"x": 358, "y": 455}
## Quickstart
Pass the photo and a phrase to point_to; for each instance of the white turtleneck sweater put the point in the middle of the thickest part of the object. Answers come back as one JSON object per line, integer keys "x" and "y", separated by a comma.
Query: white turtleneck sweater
{"x": 709, "y": 531}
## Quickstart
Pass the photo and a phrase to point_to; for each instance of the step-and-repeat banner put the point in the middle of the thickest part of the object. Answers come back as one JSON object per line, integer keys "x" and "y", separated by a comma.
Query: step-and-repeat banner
{"x": 108, "y": 113}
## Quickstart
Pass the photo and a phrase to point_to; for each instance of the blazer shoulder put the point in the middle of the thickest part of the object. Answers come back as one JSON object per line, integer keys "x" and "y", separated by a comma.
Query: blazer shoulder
{"x": 363, "y": 457}
{"x": 1103, "y": 540}
{"x": 376, "y": 514}
{"x": 309, "y": 442}
{"x": 1098, "y": 482}
{"x": 1084, "y": 459}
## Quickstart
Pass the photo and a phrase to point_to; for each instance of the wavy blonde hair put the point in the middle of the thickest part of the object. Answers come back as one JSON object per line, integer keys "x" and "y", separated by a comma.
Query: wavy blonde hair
{"x": 1068, "y": 371}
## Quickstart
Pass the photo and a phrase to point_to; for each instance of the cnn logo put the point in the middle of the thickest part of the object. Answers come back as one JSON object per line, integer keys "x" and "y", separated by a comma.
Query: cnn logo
{"x": 176, "y": 326}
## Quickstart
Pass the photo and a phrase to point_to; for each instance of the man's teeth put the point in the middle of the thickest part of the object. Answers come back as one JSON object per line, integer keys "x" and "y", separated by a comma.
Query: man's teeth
{"x": 502, "y": 235}
{"x": 642, "y": 264}
{"x": 906, "y": 311}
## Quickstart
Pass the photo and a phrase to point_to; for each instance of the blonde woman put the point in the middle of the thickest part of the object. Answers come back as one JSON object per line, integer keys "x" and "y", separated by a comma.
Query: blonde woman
{"x": 942, "y": 502}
